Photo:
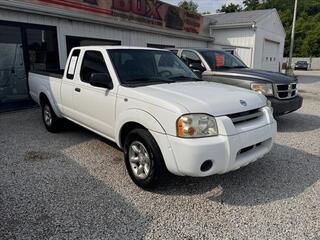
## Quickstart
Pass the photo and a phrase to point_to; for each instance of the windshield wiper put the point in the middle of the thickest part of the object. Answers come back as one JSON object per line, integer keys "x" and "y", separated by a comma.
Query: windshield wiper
{"x": 239, "y": 67}
{"x": 145, "y": 81}
{"x": 185, "y": 78}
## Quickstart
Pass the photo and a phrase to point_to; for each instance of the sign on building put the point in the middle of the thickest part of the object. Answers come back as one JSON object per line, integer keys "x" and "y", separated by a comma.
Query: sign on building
{"x": 147, "y": 12}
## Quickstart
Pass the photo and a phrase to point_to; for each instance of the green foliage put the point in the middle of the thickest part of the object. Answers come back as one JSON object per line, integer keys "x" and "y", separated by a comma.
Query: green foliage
{"x": 189, "y": 5}
{"x": 230, "y": 8}
{"x": 251, "y": 5}
{"x": 307, "y": 34}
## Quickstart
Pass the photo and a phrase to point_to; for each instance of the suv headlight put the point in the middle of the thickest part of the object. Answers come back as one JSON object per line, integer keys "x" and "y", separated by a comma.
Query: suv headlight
{"x": 196, "y": 126}
{"x": 263, "y": 88}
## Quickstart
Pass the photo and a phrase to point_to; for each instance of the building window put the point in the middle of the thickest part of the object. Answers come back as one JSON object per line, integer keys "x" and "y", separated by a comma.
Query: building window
{"x": 161, "y": 46}
{"x": 42, "y": 50}
{"x": 24, "y": 47}
{"x": 73, "y": 41}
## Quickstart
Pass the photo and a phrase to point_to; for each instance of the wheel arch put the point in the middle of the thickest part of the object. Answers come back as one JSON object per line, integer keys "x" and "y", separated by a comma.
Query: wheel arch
{"x": 133, "y": 119}
{"x": 45, "y": 97}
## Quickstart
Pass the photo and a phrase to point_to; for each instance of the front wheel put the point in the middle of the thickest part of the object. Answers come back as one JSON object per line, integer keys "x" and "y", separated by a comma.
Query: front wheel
{"x": 143, "y": 159}
{"x": 51, "y": 121}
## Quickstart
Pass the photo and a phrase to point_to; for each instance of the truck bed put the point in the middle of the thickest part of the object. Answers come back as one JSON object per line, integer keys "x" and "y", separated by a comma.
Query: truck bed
{"x": 55, "y": 74}
{"x": 45, "y": 82}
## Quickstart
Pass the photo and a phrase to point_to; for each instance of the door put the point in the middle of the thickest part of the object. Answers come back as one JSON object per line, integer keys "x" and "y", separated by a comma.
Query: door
{"x": 270, "y": 56}
{"x": 94, "y": 106}
{"x": 13, "y": 79}
{"x": 69, "y": 84}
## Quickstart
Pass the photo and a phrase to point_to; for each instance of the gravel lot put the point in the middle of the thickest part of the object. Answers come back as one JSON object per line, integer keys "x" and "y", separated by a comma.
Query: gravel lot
{"x": 73, "y": 185}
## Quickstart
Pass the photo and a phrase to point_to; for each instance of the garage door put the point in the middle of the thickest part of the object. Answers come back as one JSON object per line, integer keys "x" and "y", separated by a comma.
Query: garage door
{"x": 270, "y": 56}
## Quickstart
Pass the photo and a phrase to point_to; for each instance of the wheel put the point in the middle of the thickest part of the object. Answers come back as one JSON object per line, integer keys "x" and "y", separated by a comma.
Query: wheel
{"x": 51, "y": 121}
{"x": 143, "y": 159}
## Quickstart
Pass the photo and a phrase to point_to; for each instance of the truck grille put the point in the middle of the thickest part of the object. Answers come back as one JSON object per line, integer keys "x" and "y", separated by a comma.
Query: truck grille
{"x": 285, "y": 91}
{"x": 245, "y": 116}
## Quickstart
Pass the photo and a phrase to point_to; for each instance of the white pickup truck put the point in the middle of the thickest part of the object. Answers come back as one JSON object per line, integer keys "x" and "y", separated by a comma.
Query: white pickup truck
{"x": 157, "y": 110}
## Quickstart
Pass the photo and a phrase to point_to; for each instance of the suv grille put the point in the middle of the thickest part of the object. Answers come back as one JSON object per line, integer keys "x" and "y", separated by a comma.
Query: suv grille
{"x": 245, "y": 116}
{"x": 285, "y": 91}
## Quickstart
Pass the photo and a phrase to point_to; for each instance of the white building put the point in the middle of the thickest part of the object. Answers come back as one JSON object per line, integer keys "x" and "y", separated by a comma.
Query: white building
{"x": 257, "y": 37}
{"x": 38, "y": 35}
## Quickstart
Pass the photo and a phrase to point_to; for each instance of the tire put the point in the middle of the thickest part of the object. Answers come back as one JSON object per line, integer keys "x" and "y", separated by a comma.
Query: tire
{"x": 51, "y": 121}
{"x": 134, "y": 162}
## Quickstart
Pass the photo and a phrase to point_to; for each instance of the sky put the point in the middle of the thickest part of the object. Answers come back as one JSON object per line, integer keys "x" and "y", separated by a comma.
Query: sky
{"x": 208, "y": 5}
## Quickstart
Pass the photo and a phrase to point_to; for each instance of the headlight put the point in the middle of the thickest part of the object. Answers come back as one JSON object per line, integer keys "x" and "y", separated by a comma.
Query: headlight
{"x": 263, "y": 88}
{"x": 196, "y": 126}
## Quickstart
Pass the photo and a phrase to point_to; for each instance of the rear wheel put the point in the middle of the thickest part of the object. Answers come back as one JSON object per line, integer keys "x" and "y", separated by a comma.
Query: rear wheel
{"x": 143, "y": 158}
{"x": 51, "y": 121}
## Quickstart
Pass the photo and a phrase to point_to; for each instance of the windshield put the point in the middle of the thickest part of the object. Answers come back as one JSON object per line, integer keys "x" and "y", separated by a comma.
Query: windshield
{"x": 220, "y": 60}
{"x": 144, "y": 67}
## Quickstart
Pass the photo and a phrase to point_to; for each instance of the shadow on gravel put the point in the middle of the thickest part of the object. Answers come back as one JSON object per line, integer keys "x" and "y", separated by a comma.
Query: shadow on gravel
{"x": 298, "y": 122}
{"x": 44, "y": 194}
{"x": 59, "y": 199}
{"x": 284, "y": 173}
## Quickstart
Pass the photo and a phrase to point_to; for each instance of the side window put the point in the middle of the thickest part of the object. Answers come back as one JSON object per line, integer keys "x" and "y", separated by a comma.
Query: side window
{"x": 73, "y": 64}
{"x": 174, "y": 51}
{"x": 190, "y": 57}
{"x": 93, "y": 62}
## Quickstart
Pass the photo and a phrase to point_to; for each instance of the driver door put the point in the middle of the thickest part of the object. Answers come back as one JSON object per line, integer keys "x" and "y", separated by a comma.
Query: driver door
{"x": 94, "y": 106}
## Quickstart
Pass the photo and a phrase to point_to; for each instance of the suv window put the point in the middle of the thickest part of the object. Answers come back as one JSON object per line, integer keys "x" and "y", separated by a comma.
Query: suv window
{"x": 190, "y": 57}
{"x": 93, "y": 62}
{"x": 220, "y": 60}
{"x": 174, "y": 51}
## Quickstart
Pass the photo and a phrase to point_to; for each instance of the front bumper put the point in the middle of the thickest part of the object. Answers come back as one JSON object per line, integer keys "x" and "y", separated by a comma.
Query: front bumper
{"x": 227, "y": 152}
{"x": 285, "y": 106}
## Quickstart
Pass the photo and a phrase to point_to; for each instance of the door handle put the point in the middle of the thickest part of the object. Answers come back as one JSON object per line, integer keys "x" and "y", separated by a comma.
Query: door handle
{"x": 77, "y": 89}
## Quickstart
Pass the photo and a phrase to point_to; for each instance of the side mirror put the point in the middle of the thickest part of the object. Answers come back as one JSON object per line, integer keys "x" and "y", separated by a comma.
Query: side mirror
{"x": 101, "y": 80}
{"x": 196, "y": 66}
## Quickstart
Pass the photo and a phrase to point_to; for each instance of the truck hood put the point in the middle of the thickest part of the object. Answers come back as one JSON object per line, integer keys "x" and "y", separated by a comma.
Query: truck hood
{"x": 255, "y": 74}
{"x": 200, "y": 97}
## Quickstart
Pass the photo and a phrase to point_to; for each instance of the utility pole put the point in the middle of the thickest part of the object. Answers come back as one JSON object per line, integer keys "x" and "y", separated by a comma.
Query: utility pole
{"x": 292, "y": 36}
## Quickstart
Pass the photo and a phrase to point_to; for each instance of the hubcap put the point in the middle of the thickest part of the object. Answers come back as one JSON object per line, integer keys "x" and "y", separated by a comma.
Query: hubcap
{"x": 47, "y": 115}
{"x": 139, "y": 160}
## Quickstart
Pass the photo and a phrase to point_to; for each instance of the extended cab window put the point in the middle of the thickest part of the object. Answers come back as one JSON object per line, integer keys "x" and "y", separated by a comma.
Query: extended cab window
{"x": 73, "y": 63}
{"x": 93, "y": 62}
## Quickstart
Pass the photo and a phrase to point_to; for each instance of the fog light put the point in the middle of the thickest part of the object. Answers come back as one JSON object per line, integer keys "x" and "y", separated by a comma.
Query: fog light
{"x": 206, "y": 166}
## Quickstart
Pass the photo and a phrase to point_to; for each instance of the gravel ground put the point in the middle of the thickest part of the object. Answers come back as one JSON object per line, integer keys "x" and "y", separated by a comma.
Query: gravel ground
{"x": 73, "y": 185}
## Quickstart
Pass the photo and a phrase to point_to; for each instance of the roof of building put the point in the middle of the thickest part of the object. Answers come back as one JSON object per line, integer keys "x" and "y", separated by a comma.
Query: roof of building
{"x": 237, "y": 18}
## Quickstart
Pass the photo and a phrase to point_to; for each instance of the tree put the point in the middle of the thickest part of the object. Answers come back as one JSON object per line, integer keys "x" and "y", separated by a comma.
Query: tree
{"x": 230, "y": 8}
{"x": 189, "y": 5}
{"x": 307, "y": 37}
{"x": 251, "y": 5}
